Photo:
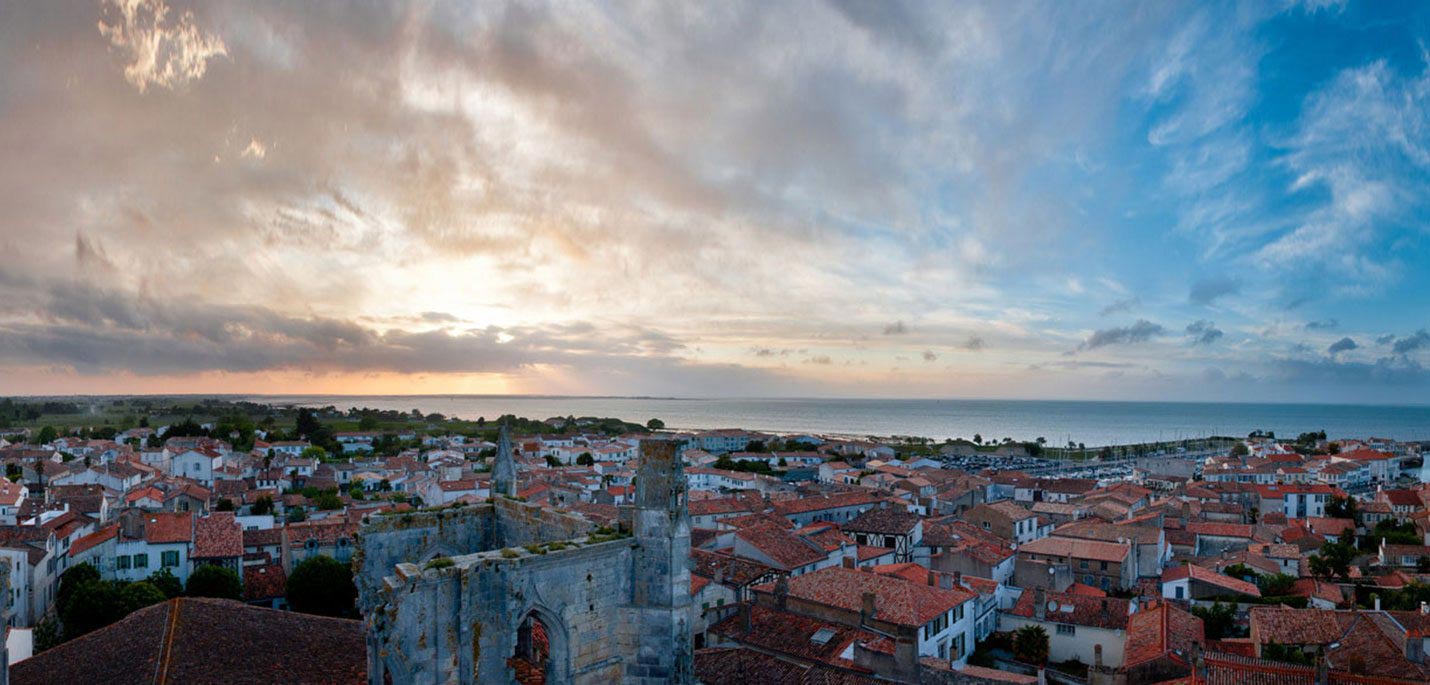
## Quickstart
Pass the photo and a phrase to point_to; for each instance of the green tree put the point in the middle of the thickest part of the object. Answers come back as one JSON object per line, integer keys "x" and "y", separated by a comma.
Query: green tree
{"x": 1278, "y": 585}
{"x": 308, "y": 424}
{"x": 367, "y": 423}
{"x": 585, "y": 459}
{"x": 1239, "y": 450}
{"x": 224, "y": 504}
{"x": 1290, "y": 654}
{"x": 47, "y": 435}
{"x": 214, "y": 581}
{"x": 314, "y": 452}
{"x": 322, "y": 585}
{"x": 139, "y": 595}
{"x": 1219, "y": 619}
{"x": 1334, "y": 558}
{"x": 655, "y": 424}
{"x": 263, "y": 506}
{"x": 166, "y": 582}
{"x": 91, "y": 605}
{"x": 553, "y": 462}
{"x": 1030, "y": 645}
{"x": 328, "y": 501}
{"x": 1342, "y": 508}
{"x": 47, "y": 634}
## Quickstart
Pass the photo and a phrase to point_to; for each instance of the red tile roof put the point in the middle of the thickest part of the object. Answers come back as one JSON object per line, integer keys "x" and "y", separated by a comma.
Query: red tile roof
{"x": 218, "y": 535}
{"x": 1210, "y": 577}
{"x": 783, "y": 547}
{"x": 168, "y": 526}
{"x": 1223, "y": 530}
{"x": 93, "y": 539}
{"x": 1062, "y": 607}
{"x": 805, "y": 505}
{"x": 1158, "y": 630}
{"x": 191, "y": 640}
{"x": 1078, "y": 549}
{"x": 897, "y": 601}
{"x": 264, "y": 582}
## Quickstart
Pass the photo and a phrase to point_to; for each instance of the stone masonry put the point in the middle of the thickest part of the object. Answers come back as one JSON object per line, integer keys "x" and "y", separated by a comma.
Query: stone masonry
{"x": 445, "y": 593}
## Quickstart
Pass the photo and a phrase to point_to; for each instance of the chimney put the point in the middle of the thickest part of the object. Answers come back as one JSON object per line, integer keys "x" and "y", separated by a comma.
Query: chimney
{"x": 745, "y": 621}
{"x": 1097, "y": 656}
{"x": 933, "y": 580}
{"x": 958, "y": 578}
{"x": 869, "y": 606}
{"x": 1377, "y": 602}
{"x": 781, "y": 591}
{"x": 1040, "y": 604}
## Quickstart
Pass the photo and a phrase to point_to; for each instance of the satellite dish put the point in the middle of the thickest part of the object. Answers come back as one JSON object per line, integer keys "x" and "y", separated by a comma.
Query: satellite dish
{"x": 1053, "y": 605}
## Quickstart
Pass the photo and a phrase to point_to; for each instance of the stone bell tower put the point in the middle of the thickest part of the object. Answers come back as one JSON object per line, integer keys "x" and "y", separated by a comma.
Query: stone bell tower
{"x": 661, "y": 570}
{"x": 504, "y": 466}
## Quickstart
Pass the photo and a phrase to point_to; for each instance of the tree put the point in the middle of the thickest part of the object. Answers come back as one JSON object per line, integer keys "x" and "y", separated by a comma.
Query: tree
{"x": 214, "y": 581}
{"x": 1278, "y": 585}
{"x": 1342, "y": 508}
{"x": 1274, "y": 651}
{"x": 585, "y": 459}
{"x": 553, "y": 462}
{"x": 328, "y": 501}
{"x": 166, "y": 582}
{"x": 47, "y": 435}
{"x": 367, "y": 423}
{"x": 308, "y": 423}
{"x": 263, "y": 506}
{"x": 1030, "y": 645}
{"x": 314, "y": 452}
{"x": 1334, "y": 558}
{"x": 140, "y": 594}
{"x": 224, "y": 504}
{"x": 655, "y": 424}
{"x": 1239, "y": 450}
{"x": 977, "y": 438}
{"x": 322, "y": 585}
{"x": 92, "y": 604}
{"x": 1219, "y": 619}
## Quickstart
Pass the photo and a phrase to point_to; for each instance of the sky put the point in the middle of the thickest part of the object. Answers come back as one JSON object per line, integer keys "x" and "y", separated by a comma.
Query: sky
{"x": 832, "y": 198}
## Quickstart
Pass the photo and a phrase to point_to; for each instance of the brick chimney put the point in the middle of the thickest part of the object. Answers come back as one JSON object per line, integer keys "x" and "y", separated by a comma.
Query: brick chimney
{"x": 933, "y": 579}
{"x": 869, "y": 606}
{"x": 781, "y": 591}
{"x": 1040, "y": 604}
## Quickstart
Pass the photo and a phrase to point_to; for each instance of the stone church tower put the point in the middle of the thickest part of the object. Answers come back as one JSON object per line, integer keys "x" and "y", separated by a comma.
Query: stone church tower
{"x": 504, "y": 466}
{"x": 660, "y": 569}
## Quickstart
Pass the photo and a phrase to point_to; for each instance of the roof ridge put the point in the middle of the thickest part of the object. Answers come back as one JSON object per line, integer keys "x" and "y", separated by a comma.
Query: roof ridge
{"x": 166, "y": 644}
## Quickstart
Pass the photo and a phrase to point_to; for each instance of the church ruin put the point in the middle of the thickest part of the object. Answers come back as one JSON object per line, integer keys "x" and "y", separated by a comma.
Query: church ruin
{"x": 503, "y": 590}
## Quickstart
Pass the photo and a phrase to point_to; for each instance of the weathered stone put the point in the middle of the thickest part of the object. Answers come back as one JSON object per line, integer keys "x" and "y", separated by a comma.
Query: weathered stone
{"x": 614, "y": 607}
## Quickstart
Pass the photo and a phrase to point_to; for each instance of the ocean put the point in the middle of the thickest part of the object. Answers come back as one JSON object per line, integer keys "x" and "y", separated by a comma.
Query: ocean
{"x": 1092, "y": 423}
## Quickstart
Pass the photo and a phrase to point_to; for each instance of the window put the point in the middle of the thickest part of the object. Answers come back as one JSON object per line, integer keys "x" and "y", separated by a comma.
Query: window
{"x": 985, "y": 525}
{"x": 169, "y": 559}
{"x": 141, "y": 560}
{"x": 1082, "y": 564}
{"x": 121, "y": 562}
{"x": 1181, "y": 592}
{"x": 1104, "y": 566}
{"x": 1064, "y": 629}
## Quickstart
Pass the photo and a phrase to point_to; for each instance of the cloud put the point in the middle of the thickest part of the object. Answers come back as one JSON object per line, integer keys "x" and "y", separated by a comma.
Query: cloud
{"x": 1203, "y": 332}
{"x": 1141, "y": 331}
{"x": 896, "y": 328}
{"x": 255, "y": 150}
{"x": 1326, "y": 325}
{"x": 1342, "y": 345}
{"x": 974, "y": 343}
{"x": 929, "y": 356}
{"x": 1120, "y": 306}
{"x": 1208, "y": 290}
{"x": 821, "y": 359}
{"x": 1421, "y": 339}
{"x": 1385, "y": 339}
{"x": 158, "y": 52}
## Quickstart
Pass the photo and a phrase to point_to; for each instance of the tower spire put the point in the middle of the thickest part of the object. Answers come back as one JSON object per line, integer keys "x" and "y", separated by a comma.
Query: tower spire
{"x": 504, "y": 470}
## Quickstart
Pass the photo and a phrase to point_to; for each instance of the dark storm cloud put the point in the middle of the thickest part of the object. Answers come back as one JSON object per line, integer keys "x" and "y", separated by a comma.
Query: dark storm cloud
{"x": 1406, "y": 345}
{"x": 1141, "y": 331}
{"x": 1342, "y": 345}
{"x": 1207, "y": 291}
{"x": 1204, "y": 332}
